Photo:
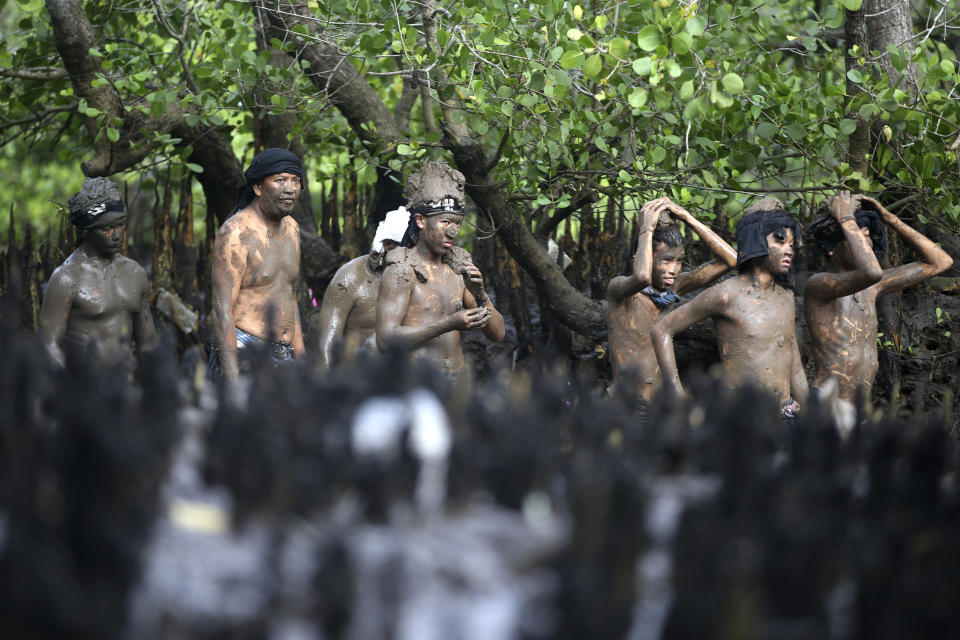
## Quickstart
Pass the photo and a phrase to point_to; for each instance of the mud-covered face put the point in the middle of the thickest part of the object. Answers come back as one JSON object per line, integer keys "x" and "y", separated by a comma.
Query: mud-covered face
{"x": 439, "y": 232}
{"x": 378, "y": 259}
{"x": 106, "y": 240}
{"x": 278, "y": 194}
{"x": 780, "y": 251}
{"x": 666, "y": 266}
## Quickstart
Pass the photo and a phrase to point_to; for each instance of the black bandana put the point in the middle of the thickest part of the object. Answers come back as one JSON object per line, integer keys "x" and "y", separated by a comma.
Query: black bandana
{"x": 98, "y": 214}
{"x": 661, "y": 298}
{"x": 826, "y": 231}
{"x": 752, "y": 231}
{"x": 268, "y": 163}
{"x": 447, "y": 205}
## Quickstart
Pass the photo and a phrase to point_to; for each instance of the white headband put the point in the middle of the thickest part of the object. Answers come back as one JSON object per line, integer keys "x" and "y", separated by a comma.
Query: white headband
{"x": 392, "y": 228}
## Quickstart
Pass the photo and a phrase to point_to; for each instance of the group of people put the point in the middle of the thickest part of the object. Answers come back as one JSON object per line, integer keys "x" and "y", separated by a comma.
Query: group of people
{"x": 419, "y": 289}
{"x": 754, "y": 312}
{"x": 416, "y": 288}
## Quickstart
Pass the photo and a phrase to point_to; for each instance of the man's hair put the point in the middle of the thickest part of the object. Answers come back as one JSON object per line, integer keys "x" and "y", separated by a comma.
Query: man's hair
{"x": 826, "y": 232}
{"x": 669, "y": 235}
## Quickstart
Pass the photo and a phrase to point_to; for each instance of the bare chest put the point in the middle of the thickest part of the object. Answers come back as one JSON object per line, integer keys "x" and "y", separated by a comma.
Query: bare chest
{"x": 105, "y": 293}
{"x": 760, "y": 319}
{"x": 440, "y": 295}
{"x": 271, "y": 260}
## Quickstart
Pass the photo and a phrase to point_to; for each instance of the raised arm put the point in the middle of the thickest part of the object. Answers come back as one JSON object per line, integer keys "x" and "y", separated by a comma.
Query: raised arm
{"x": 866, "y": 271}
{"x": 393, "y": 301}
{"x": 933, "y": 260}
{"x": 337, "y": 303}
{"x": 710, "y": 302}
{"x": 474, "y": 297}
{"x": 55, "y": 313}
{"x": 624, "y": 286}
{"x": 229, "y": 262}
{"x": 705, "y": 273}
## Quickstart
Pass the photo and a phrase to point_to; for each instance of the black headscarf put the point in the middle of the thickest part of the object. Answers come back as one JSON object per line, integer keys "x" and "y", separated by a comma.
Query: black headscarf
{"x": 753, "y": 228}
{"x": 266, "y": 164}
{"x": 427, "y": 209}
{"x": 826, "y": 231}
{"x": 98, "y": 204}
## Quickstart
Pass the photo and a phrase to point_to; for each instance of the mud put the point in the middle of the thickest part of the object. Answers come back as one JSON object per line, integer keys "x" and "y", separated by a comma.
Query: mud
{"x": 434, "y": 182}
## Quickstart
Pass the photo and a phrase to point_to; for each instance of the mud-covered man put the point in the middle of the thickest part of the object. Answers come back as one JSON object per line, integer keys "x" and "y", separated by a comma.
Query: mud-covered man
{"x": 97, "y": 302}
{"x": 840, "y": 304}
{"x": 753, "y": 312}
{"x": 636, "y": 301}
{"x": 431, "y": 290}
{"x": 349, "y": 310}
{"x": 256, "y": 263}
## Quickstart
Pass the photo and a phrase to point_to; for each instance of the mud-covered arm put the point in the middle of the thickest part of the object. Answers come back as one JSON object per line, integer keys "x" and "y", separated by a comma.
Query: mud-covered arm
{"x": 799, "y": 387}
{"x": 866, "y": 271}
{"x": 625, "y": 286}
{"x": 710, "y": 302}
{"x": 55, "y": 314}
{"x": 229, "y": 262}
{"x": 933, "y": 260}
{"x": 334, "y": 311}
{"x": 144, "y": 331}
{"x": 475, "y": 297}
{"x": 299, "y": 349}
{"x": 710, "y": 271}
{"x": 393, "y": 302}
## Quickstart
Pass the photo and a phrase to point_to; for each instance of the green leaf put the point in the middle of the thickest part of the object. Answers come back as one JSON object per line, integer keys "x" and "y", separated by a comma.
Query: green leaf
{"x": 695, "y": 26}
{"x": 619, "y": 47}
{"x": 571, "y": 59}
{"x": 795, "y": 131}
{"x": 642, "y": 66}
{"x": 766, "y": 130}
{"x": 852, "y": 5}
{"x": 686, "y": 90}
{"x": 657, "y": 155}
{"x": 600, "y": 22}
{"x": 648, "y": 38}
{"x": 507, "y": 108}
{"x": 638, "y": 98}
{"x": 854, "y": 75}
{"x": 112, "y": 134}
{"x": 404, "y": 150}
{"x": 732, "y": 83}
{"x": 848, "y": 126}
{"x": 194, "y": 167}
{"x": 593, "y": 65}
{"x": 574, "y": 34}
{"x": 681, "y": 43}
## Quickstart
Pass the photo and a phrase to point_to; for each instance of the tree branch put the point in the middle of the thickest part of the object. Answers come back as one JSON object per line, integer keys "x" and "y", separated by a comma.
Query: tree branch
{"x": 40, "y": 73}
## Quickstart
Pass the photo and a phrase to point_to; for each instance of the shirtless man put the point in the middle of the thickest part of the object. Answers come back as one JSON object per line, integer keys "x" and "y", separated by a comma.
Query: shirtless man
{"x": 349, "y": 310}
{"x": 256, "y": 263}
{"x": 635, "y": 301}
{"x": 840, "y": 304}
{"x": 431, "y": 290}
{"x": 754, "y": 313}
{"x": 98, "y": 301}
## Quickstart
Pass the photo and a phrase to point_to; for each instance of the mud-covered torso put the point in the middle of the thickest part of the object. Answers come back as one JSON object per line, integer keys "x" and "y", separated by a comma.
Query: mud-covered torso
{"x": 362, "y": 284}
{"x": 266, "y": 299}
{"x": 631, "y": 348}
{"x": 756, "y": 334}
{"x": 436, "y": 292}
{"x": 106, "y": 296}
{"x": 843, "y": 335}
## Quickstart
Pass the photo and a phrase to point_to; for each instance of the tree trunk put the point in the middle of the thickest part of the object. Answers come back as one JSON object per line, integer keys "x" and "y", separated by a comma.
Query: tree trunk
{"x": 162, "y": 239}
{"x": 889, "y": 22}
{"x": 855, "y": 34}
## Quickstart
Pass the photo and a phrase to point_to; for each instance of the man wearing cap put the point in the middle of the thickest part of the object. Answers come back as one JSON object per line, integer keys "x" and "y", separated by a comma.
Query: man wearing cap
{"x": 97, "y": 302}
{"x": 349, "y": 310}
{"x": 840, "y": 304}
{"x": 256, "y": 263}
{"x": 431, "y": 290}
{"x": 754, "y": 312}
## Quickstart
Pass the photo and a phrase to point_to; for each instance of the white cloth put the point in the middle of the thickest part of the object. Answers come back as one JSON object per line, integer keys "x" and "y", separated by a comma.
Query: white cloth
{"x": 392, "y": 228}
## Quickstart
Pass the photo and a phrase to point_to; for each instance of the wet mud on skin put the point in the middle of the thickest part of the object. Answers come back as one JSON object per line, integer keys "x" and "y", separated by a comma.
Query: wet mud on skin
{"x": 631, "y": 348}
{"x": 433, "y": 183}
{"x": 348, "y": 314}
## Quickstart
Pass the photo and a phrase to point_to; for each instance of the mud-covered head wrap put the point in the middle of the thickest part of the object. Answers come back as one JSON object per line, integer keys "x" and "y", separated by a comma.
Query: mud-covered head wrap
{"x": 266, "y": 164}
{"x": 99, "y": 204}
{"x": 392, "y": 228}
{"x": 758, "y": 222}
{"x": 825, "y": 231}
{"x": 435, "y": 189}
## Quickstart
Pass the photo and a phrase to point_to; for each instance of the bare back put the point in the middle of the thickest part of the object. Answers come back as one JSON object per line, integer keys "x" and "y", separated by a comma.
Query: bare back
{"x": 349, "y": 309}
